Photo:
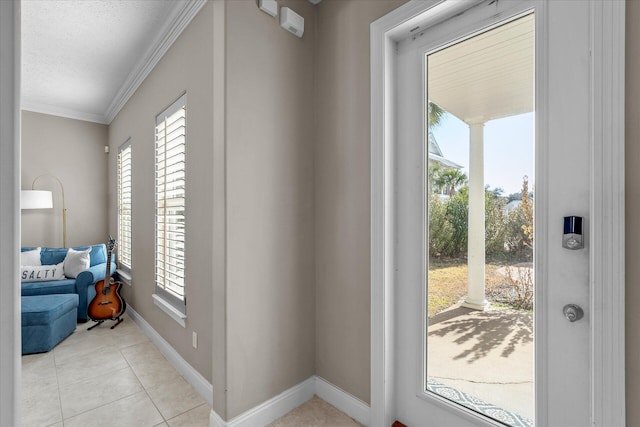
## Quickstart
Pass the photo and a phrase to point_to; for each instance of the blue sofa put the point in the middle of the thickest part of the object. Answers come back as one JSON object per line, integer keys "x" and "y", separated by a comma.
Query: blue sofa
{"x": 83, "y": 285}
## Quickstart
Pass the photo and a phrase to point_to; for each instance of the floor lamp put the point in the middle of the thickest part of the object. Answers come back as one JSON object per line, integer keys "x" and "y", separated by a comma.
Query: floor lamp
{"x": 39, "y": 199}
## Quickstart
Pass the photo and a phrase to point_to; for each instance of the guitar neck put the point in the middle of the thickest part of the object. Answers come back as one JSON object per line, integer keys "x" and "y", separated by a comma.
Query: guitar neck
{"x": 110, "y": 248}
{"x": 108, "y": 273}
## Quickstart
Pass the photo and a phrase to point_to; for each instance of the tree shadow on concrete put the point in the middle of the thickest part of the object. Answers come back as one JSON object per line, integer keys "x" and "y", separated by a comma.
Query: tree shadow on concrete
{"x": 489, "y": 330}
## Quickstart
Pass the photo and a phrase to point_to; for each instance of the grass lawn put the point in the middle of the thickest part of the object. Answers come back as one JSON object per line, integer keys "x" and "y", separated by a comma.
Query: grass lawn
{"x": 448, "y": 282}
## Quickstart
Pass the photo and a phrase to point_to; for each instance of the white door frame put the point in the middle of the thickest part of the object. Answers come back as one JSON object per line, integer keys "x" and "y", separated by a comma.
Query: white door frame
{"x": 10, "y": 336}
{"x": 606, "y": 227}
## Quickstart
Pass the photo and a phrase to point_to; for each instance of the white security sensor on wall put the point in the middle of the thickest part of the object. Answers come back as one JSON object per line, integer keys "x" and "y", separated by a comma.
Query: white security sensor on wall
{"x": 292, "y": 22}
{"x": 269, "y": 6}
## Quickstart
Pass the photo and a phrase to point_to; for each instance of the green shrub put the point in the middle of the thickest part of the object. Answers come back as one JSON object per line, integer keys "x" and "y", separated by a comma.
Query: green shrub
{"x": 506, "y": 234}
{"x": 441, "y": 231}
{"x": 495, "y": 224}
{"x": 457, "y": 214}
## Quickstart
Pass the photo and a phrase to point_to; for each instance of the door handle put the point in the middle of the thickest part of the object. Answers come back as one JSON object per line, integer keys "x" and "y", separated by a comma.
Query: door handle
{"x": 573, "y": 312}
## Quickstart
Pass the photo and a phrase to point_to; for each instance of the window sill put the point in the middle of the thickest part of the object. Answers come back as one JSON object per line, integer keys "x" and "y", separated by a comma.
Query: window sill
{"x": 125, "y": 277}
{"x": 170, "y": 310}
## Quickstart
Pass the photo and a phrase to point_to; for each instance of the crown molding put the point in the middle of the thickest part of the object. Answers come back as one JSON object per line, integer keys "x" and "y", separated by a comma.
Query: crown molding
{"x": 68, "y": 113}
{"x": 178, "y": 20}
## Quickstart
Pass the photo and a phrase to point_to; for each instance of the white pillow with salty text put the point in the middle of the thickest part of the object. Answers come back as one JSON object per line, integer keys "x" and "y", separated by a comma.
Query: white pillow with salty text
{"x": 41, "y": 273}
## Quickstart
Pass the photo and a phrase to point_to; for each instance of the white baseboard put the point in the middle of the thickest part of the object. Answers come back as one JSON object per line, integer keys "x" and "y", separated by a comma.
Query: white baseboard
{"x": 269, "y": 410}
{"x": 193, "y": 377}
{"x": 275, "y": 407}
{"x": 215, "y": 420}
{"x": 290, "y": 399}
{"x": 347, "y": 403}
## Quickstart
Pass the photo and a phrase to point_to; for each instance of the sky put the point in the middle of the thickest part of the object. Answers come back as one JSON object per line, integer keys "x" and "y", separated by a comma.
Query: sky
{"x": 508, "y": 149}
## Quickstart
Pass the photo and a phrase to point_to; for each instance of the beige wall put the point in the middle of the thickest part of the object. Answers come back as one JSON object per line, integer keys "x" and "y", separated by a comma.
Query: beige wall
{"x": 270, "y": 116}
{"x": 342, "y": 201}
{"x": 73, "y": 151}
{"x": 187, "y": 66}
{"x": 632, "y": 155}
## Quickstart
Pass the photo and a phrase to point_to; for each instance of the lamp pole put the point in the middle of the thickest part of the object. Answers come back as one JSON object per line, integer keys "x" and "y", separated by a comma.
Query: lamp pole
{"x": 64, "y": 209}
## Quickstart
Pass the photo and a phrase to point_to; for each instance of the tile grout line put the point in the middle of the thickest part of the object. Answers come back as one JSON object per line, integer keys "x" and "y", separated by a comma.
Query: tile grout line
{"x": 166, "y": 420}
{"x": 55, "y": 368}
{"x": 97, "y": 407}
{"x": 144, "y": 388}
{"x": 77, "y": 382}
{"x": 184, "y": 412}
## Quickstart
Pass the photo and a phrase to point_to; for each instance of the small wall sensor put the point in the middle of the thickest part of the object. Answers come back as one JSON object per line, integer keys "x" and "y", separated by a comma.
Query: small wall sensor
{"x": 292, "y": 22}
{"x": 269, "y": 6}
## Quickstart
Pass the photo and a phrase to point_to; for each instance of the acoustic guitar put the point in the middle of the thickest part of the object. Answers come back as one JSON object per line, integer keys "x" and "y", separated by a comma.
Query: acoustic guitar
{"x": 107, "y": 304}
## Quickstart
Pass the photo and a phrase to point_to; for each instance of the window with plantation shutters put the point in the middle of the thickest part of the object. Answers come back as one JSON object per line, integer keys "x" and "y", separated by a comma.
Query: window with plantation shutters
{"x": 124, "y": 207}
{"x": 170, "y": 204}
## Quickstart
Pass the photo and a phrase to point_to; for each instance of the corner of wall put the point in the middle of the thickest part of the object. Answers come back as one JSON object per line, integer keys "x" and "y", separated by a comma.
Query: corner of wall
{"x": 219, "y": 244}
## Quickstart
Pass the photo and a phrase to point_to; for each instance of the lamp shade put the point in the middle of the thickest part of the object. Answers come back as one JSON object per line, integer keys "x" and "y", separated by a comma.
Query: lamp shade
{"x": 36, "y": 199}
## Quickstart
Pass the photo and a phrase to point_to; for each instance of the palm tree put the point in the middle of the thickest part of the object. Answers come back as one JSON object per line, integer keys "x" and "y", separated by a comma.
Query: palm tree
{"x": 449, "y": 180}
{"x": 433, "y": 171}
{"x": 435, "y": 115}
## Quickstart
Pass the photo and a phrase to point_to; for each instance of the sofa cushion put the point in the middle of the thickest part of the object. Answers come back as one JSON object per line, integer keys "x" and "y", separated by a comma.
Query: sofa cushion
{"x": 30, "y": 257}
{"x": 48, "y": 256}
{"x": 98, "y": 254}
{"x": 76, "y": 262}
{"x": 67, "y": 286}
{"x": 44, "y": 309}
{"x": 41, "y": 273}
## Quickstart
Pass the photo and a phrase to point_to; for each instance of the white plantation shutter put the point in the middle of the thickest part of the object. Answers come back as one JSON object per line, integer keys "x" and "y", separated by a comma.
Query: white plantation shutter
{"x": 124, "y": 207}
{"x": 170, "y": 203}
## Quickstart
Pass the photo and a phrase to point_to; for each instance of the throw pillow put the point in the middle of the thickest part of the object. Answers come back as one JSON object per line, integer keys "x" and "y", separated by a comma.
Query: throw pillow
{"x": 41, "y": 273}
{"x": 76, "y": 262}
{"x": 31, "y": 257}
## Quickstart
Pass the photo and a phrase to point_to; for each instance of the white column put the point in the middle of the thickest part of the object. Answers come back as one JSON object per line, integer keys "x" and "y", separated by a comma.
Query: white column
{"x": 476, "y": 241}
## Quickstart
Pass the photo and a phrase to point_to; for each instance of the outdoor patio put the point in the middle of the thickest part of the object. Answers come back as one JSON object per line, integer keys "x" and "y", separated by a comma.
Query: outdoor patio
{"x": 484, "y": 360}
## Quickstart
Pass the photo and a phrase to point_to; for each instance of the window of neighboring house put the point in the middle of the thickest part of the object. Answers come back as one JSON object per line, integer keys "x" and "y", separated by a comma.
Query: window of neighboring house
{"x": 171, "y": 127}
{"x": 124, "y": 210}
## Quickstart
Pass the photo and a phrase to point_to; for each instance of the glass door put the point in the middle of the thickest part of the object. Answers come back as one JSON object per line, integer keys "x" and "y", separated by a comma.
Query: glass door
{"x": 480, "y": 182}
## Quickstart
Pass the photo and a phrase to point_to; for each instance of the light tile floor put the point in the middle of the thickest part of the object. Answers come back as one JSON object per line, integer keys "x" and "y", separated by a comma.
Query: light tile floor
{"x": 315, "y": 413}
{"x": 107, "y": 377}
{"x": 118, "y": 377}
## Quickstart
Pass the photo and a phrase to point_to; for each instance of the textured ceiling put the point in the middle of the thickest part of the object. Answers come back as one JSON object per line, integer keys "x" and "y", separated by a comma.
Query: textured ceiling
{"x": 78, "y": 54}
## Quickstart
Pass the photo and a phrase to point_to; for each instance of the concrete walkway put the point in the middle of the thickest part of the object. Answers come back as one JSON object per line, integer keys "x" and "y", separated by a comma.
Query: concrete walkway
{"x": 486, "y": 354}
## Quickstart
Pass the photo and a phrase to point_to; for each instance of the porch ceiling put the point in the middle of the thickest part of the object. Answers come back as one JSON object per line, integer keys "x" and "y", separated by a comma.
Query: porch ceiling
{"x": 488, "y": 76}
